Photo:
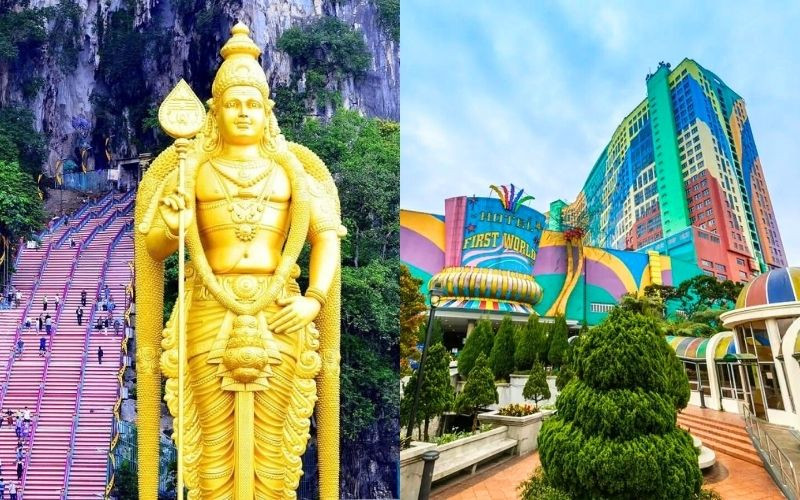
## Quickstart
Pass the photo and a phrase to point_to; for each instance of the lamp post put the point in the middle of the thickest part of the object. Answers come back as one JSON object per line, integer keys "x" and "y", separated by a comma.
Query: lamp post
{"x": 434, "y": 294}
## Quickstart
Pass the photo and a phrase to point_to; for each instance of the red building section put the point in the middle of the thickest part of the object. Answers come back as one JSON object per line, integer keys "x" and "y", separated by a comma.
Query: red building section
{"x": 719, "y": 239}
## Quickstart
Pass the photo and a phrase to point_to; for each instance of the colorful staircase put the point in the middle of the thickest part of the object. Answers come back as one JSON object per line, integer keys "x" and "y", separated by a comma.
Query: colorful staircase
{"x": 51, "y": 387}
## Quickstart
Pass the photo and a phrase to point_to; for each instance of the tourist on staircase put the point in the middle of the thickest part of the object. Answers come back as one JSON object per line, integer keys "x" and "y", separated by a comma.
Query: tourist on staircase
{"x": 83, "y": 298}
{"x": 100, "y": 355}
{"x": 2, "y": 483}
{"x": 79, "y": 315}
{"x": 40, "y": 321}
{"x": 12, "y": 491}
{"x": 17, "y": 298}
{"x": 44, "y": 303}
{"x": 58, "y": 301}
{"x": 48, "y": 324}
{"x": 18, "y": 350}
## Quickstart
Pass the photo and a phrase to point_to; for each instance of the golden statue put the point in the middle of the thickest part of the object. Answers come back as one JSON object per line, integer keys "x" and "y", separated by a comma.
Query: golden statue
{"x": 254, "y": 363}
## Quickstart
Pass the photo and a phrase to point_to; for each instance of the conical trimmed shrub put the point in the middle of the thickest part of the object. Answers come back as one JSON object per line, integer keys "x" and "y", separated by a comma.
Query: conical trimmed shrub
{"x": 615, "y": 435}
{"x": 501, "y": 359}
{"x": 480, "y": 341}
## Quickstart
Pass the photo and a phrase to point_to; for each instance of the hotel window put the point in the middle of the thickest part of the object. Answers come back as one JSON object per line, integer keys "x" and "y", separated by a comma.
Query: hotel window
{"x": 706, "y": 263}
{"x": 721, "y": 276}
{"x": 709, "y": 212}
{"x": 742, "y": 274}
{"x": 719, "y": 267}
{"x": 708, "y": 273}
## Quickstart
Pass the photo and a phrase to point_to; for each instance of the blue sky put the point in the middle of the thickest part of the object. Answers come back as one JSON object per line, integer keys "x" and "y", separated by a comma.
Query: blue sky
{"x": 530, "y": 92}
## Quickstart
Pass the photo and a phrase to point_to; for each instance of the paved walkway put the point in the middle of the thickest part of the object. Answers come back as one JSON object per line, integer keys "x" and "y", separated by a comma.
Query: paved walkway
{"x": 732, "y": 478}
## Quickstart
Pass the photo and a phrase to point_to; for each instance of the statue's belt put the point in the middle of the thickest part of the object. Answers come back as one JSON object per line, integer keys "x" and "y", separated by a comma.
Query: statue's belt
{"x": 244, "y": 347}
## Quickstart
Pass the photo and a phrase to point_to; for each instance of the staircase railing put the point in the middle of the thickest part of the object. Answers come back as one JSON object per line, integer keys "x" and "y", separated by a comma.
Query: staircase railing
{"x": 95, "y": 210}
{"x": 106, "y": 223}
{"x": 60, "y": 308}
{"x": 780, "y": 463}
{"x": 18, "y": 331}
{"x": 85, "y": 361}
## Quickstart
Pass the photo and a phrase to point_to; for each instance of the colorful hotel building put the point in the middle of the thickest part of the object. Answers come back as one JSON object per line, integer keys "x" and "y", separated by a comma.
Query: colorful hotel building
{"x": 678, "y": 191}
{"x": 682, "y": 175}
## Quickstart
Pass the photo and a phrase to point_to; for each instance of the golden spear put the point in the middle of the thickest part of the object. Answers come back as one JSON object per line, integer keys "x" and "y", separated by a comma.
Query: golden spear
{"x": 181, "y": 116}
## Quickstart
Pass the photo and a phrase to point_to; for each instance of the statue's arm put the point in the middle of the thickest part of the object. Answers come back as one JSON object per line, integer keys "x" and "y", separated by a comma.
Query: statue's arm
{"x": 162, "y": 240}
{"x": 325, "y": 255}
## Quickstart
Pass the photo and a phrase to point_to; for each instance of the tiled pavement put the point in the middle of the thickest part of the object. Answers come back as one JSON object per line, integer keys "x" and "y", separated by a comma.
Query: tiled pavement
{"x": 732, "y": 478}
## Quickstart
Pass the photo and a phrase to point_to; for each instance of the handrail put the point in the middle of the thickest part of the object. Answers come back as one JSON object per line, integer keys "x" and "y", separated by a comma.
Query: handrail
{"x": 111, "y": 464}
{"x": 789, "y": 481}
{"x": 117, "y": 212}
{"x": 47, "y": 365}
{"x": 95, "y": 209}
{"x": 85, "y": 362}
{"x": 25, "y": 314}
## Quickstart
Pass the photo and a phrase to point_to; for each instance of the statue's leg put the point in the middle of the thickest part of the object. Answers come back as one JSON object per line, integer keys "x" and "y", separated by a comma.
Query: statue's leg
{"x": 215, "y": 409}
{"x": 282, "y": 418}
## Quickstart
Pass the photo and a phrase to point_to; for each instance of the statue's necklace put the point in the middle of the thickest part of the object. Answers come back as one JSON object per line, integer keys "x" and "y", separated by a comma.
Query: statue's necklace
{"x": 244, "y": 176}
{"x": 245, "y": 214}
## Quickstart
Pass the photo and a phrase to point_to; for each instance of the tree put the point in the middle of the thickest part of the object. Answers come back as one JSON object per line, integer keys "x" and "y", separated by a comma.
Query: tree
{"x": 412, "y": 305}
{"x": 525, "y": 350}
{"x": 706, "y": 292}
{"x": 558, "y": 341}
{"x": 21, "y": 210}
{"x": 436, "y": 395}
{"x": 480, "y": 341}
{"x": 541, "y": 341}
{"x": 479, "y": 391}
{"x": 536, "y": 387}
{"x": 501, "y": 357}
{"x": 650, "y": 305}
{"x": 565, "y": 374}
{"x": 614, "y": 435}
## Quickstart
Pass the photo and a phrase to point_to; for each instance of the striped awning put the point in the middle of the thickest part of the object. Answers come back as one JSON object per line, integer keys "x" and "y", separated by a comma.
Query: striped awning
{"x": 690, "y": 348}
{"x": 486, "y": 305}
{"x": 725, "y": 346}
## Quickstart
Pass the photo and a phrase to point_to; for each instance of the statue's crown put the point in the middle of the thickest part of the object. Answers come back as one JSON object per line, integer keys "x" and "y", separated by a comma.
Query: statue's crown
{"x": 240, "y": 65}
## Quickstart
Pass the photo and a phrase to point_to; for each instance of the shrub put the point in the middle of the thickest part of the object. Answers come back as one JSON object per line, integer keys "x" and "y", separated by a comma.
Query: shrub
{"x": 537, "y": 488}
{"x": 501, "y": 358}
{"x": 565, "y": 374}
{"x": 614, "y": 435}
{"x": 479, "y": 391}
{"x": 517, "y": 410}
{"x": 480, "y": 341}
{"x": 558, "y": 342}
{"x": 526, "y": 343}
{"x": 436, "y": 394}
{"x": 536, "y": 387}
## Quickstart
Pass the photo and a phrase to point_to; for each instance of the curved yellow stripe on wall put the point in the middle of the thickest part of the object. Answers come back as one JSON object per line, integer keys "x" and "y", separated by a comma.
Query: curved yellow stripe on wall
{"x": 424, "y": 224}
{"x": 551, "y": 239}
{"x": 613, "y": 263}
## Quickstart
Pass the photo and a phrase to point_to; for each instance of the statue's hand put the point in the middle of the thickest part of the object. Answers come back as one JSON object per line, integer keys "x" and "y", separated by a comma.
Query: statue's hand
{"x": 171, "y": 206}
{"x": 296, "y": 314}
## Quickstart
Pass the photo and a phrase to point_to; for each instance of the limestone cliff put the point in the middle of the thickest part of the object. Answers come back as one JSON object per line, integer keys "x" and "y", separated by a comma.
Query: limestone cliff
{"x": 112, "y": 61}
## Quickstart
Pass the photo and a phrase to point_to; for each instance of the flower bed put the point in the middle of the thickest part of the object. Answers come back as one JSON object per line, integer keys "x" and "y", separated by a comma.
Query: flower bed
{"x": 517, "y": 410}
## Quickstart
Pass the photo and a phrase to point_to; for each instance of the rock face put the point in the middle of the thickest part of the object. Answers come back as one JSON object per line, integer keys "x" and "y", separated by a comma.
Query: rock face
{"x": 184, "y": 41}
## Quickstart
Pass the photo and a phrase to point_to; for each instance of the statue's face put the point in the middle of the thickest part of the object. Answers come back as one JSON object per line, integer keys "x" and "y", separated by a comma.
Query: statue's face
{"x": 242, "y": 115}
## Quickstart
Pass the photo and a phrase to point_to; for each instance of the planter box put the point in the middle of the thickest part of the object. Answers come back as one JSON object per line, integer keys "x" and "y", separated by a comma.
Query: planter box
{"x": 525, "y": 430}
{"x": 411, "y": 466}
{"x": 469, "y": 451}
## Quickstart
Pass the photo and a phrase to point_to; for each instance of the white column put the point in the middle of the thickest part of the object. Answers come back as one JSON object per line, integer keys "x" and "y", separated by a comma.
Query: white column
{"x": 774, "y": 335}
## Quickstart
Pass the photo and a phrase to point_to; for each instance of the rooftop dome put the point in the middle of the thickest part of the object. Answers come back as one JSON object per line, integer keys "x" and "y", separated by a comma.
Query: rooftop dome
{"x": 774, "y": 287}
